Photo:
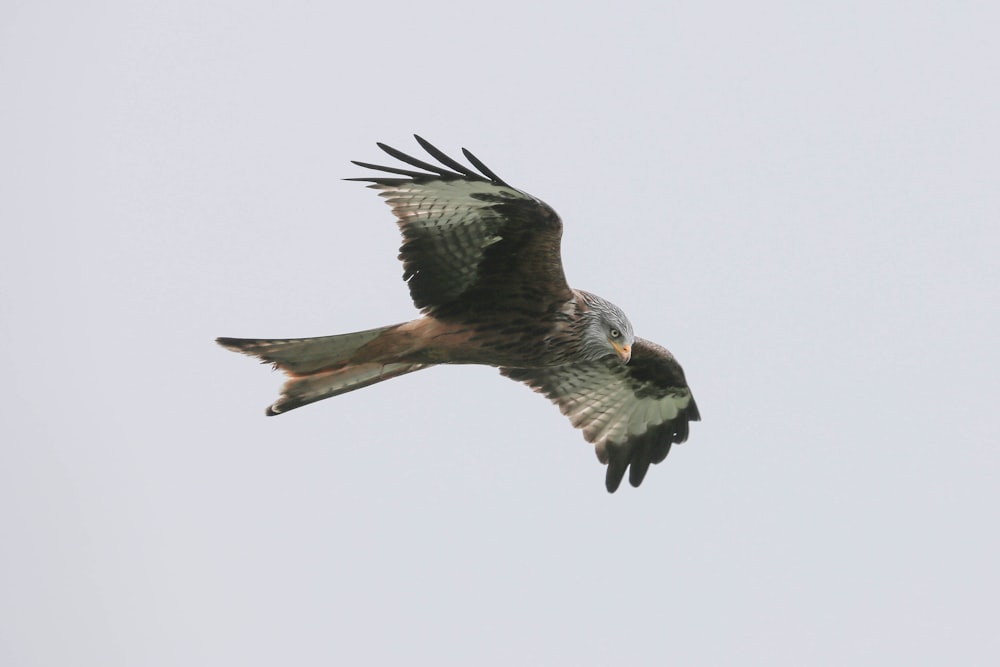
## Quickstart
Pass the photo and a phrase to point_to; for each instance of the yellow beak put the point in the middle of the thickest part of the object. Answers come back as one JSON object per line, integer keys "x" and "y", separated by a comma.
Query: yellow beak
{"x": 624, "y": 351}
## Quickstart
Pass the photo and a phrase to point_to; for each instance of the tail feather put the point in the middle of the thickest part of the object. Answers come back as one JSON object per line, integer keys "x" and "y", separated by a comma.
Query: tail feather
{"x": 302, "y": 390}
{"x": 305, "y": 355}
{"x": 325, "y": 366}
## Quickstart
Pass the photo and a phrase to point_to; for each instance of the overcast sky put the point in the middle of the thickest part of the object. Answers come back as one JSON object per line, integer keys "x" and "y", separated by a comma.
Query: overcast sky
{"x": 802, "y": 202}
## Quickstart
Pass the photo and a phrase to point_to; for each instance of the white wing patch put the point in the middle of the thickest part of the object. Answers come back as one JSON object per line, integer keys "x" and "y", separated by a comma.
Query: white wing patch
{"x": 648, "y": 412}
{"x": 443, "y": 203}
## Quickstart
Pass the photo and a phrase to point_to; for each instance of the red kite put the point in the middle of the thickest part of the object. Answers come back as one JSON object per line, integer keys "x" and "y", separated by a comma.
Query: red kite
{"x": 482, "y": 262}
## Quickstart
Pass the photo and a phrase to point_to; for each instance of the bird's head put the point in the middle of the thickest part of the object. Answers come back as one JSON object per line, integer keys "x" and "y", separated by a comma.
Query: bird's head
{"x": 606, "y": 329}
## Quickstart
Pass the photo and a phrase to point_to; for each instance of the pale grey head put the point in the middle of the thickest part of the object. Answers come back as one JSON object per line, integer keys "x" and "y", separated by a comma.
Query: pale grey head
{"x": 606, "y": 329}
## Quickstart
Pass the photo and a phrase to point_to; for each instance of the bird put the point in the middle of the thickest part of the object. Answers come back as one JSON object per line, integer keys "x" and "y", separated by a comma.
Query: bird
{"x": 482, "y": 261}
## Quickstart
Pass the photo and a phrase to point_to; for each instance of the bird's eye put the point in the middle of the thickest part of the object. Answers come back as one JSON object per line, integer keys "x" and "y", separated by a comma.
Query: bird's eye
{"x": 615, "y": 333}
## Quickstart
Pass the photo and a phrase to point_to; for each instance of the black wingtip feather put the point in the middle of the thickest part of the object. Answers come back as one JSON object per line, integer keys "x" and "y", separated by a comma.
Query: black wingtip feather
{"x": 430, "y": 171}
{"x": 440, "y": 156}
{"x": 412, "y": 161}
{"x": 617, "y": 465}
{"x": 478, "y": 164}
{"x": 640, "y": 466}
{"x": 692, "y": 411}
{"x": 660, "y": 452}
{"x": 613, "y": 481}
{"x": 391, "y": 170}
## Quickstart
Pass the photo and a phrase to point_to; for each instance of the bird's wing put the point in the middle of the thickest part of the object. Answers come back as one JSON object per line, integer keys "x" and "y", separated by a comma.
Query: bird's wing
{"x": 470, "y": 238}
{"x": 632, "y": 412}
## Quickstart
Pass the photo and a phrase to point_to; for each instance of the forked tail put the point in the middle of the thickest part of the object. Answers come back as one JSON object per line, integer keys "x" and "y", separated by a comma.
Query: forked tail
{"x": 322, "y": 367}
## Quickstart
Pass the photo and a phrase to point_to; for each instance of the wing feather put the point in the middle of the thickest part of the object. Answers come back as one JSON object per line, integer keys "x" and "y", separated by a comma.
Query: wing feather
{"x": 414, "y": 162}
{"x": 478, "y": 164}
{"x": 441, "y": 157}
{"x": 632, "y": 413}
{"x": 469, "y": 238}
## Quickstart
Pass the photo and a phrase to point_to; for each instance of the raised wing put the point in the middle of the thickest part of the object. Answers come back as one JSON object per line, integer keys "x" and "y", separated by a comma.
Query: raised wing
{"x": 469, "y": 238}
{"x": 632, "y": 413}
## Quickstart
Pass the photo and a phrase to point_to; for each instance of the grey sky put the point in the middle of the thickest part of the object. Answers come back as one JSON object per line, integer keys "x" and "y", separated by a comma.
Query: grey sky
{"x": 801, "y": 202}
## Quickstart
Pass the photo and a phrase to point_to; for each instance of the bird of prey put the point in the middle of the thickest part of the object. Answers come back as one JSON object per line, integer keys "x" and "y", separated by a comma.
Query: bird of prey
{"x": 482, "y": 262}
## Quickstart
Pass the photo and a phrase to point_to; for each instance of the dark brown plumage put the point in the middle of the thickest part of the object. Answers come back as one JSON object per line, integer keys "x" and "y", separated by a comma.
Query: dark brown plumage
{"x": 482, "y": 262}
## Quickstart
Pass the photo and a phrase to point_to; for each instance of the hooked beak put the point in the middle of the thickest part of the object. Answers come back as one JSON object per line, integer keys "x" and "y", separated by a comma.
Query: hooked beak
{"x": 624, "y": 351}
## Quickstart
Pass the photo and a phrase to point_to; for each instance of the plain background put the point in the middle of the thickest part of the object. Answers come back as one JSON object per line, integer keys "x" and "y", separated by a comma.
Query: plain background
{"x": 799, "y": 199}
